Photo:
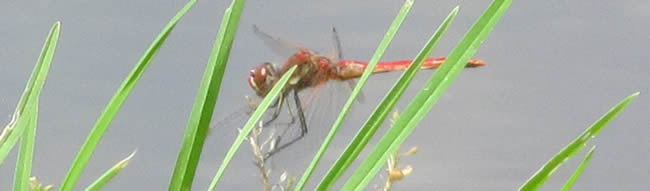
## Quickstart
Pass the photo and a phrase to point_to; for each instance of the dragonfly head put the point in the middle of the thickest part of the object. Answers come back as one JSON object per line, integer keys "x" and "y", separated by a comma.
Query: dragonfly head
{"x": 262, "y": 78}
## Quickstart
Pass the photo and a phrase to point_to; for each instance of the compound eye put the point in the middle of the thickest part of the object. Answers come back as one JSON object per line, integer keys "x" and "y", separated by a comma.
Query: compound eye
{"x": 257, "y": 76}
{"x": 270, "y": 70}
{"x": 260, "y": 75}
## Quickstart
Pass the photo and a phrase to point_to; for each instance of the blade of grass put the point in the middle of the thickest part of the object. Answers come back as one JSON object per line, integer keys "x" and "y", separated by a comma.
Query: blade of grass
{"x": 108, "y": 175}
{"x": 116, "y": 101}
{"x": 427, "y": 97}
{"x": 26, "y": 152}
{"x": 539, "y": 178}
{"x": 16, "y": 127}
{"x": 250, "y": 124}
{"x": 383, "y": 109}
{"x": 203, "y": 108}
{"x": 579, "y": 170}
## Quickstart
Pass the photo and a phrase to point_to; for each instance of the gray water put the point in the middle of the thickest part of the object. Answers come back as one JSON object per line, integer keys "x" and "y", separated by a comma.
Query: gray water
{"x": 554, "y": 67}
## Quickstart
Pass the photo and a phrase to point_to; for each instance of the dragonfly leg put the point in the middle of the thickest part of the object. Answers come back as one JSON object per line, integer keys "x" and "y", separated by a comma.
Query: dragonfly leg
{"x": 276, "y": 112}
{"x": 291, "y": 114}
{"x": 303, "y": 128}
{"x": 301, "y": 115}
{"x": 275, "y": 103}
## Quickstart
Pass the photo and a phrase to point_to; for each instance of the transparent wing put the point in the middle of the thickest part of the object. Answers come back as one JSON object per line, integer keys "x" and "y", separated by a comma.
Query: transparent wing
{"x": 234, "y": 118}
{"x": 337, "y": 55}
{"x": 277, "y": 45}
{"x": 336, "y": 42}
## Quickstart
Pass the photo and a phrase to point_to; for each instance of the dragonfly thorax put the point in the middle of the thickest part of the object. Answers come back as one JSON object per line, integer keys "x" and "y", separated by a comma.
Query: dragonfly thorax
{"x": 312, "y": 70}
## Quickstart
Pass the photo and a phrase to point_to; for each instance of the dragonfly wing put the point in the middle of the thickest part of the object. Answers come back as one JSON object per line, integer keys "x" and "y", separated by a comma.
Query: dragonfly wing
{"x": 337, "y": 53}
{"x": 350, "y": 84}
{"x": 277, "y": 45}
{"x": 233, "y": 119}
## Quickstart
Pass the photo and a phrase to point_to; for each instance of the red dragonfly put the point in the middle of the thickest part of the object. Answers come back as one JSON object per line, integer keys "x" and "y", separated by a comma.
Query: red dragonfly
{"x": 314, "y": 70}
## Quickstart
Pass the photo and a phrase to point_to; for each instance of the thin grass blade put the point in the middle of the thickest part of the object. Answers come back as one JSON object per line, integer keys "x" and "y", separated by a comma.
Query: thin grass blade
{"x": 26, "y": 153}
{"x": 539, "y": 178}
{"x": 116, "y": 101}
{"x": 250, "y": 124}
{"x": 384, "y": 108}
{"x": 428, "y": 96}
{"x": 576, "y": 174}
{"x": 112, "y": 172}
{"x": 27, "y": 122}
{"x": 203, "y": 108}
{"x": 28, "y": 101}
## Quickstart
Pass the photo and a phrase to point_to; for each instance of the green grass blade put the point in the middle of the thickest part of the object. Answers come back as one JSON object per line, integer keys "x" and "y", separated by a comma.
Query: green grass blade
{"x": 384, "y": 108}
{"x": 27, "y": 122}
{"x": 116, "y": 101}
{"x": 28, "y": 103}
{"x": 26, "y": 152}
{"x": 203, "y": 108}
{"x": 428, "y": 96}
{"x": 108, "y": 175}
{"x": 567, "y": 186}
{"x": 250, "y": 124}
{"x": 540, "y": 177}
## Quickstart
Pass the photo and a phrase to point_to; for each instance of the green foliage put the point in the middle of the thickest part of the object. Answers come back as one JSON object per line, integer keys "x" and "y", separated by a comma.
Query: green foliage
{"x": 24, "y": 121}
{"x": 424, "y": 101}
{"x": 383, "y": 45}
{"x": 24, "y": 118}
{"x": 576, "y": 174}
{"x": 110, "y": 173}
{"x": 115, "y": 103}
{"x": 539, "y": 178}
{"x": 202, "y": 110}
{"x": 379, "y": 115}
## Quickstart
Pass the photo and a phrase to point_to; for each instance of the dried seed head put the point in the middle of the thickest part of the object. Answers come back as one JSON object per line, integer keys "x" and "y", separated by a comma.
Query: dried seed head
{"x": 395, "y": 175}
{"x": 399, "y": 174}
{"x": 411, "y": 151}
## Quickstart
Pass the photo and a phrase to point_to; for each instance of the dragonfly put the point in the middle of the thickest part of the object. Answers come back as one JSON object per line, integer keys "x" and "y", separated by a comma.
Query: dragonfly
{"x": 313, "y": 71}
